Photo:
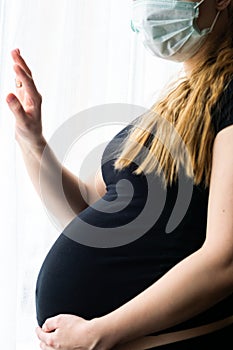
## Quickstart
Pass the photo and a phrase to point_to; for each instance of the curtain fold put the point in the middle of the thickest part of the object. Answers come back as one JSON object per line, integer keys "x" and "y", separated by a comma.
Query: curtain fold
{"x": 82, "y": 53}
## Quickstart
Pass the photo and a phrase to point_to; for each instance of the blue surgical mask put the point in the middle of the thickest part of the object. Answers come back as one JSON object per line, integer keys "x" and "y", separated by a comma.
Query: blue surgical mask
{"x": 168, "y": 27}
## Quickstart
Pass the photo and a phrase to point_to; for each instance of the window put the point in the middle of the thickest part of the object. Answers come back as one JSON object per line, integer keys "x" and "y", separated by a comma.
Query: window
{"x": 82, "y": 53}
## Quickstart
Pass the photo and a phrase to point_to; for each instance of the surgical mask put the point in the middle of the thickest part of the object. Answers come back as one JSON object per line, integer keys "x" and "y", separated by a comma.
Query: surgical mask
{"x": 168, "y": 27}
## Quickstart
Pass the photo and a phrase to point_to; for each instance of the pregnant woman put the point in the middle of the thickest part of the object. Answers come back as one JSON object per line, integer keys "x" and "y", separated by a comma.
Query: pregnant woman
{"x": 161, "y": 291}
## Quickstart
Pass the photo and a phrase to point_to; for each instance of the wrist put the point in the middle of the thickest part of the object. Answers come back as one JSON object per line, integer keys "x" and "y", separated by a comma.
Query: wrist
{"x": 106, "y": 334}
{"x": 34, "y": 146}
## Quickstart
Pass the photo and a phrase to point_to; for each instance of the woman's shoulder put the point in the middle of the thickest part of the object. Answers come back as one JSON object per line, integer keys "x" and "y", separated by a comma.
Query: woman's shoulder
{"x": 222, "y": 113}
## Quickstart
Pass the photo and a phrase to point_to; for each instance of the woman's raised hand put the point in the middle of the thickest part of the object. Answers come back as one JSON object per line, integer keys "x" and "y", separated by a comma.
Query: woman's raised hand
{"x": 25, "y": 104}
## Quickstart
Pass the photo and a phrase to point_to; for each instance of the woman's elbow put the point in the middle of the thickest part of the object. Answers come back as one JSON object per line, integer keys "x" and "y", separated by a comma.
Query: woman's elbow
{"x": 219, "y": 257}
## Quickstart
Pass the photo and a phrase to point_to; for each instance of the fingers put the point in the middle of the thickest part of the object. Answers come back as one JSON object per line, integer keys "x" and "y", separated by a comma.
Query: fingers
{"x": 20, "y": 61}
{"x": 16, "y": 107}
{"x": 24, "y": 77}
{"x": 51, "y": 324}
{"x": 45, "y": 338}
{"x": 26, "y": 80}
{"x": 45, "y": 347}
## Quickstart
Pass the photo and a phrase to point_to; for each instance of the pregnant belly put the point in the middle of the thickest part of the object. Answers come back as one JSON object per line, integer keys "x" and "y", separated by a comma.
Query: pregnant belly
{"x": 89, "y": 282}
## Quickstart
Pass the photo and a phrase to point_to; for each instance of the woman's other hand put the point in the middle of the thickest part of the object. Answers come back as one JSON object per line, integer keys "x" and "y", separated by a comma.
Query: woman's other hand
{"x": 26, "y": 103}
{"x": 69, "y": 332}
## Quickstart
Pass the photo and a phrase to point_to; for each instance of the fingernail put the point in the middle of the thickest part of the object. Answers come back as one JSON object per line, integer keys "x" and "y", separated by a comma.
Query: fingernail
{"x": 10, "y": 98}
{"x": 16, "y": 51}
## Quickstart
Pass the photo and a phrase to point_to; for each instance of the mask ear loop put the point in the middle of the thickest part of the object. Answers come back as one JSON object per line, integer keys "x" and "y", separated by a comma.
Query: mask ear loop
{"x": 216, "y": 17}
{"x": 198, "y": 4}
{"x": 214, "y": 22}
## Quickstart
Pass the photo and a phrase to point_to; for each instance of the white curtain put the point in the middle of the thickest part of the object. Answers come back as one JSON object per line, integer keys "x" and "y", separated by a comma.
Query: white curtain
{"x": 82, "y": 53}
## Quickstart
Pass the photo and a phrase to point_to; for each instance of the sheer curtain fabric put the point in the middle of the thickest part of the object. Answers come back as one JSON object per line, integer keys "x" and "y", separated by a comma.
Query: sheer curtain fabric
{"x": 82, "y": 53}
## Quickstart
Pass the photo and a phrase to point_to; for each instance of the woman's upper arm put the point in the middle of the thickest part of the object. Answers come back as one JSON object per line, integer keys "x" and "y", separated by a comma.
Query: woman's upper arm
{"x": 219, "y": 230}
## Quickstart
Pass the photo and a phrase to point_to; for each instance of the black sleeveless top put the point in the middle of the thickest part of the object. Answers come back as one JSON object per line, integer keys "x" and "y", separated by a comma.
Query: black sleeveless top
{"x": 94, "y": 278}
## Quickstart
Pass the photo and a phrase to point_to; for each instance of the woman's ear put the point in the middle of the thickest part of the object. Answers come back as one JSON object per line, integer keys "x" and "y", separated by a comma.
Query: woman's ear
{"x": 222, "y": 4}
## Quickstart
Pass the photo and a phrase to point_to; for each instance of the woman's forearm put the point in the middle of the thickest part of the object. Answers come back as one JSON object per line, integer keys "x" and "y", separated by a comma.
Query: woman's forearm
{"x": 63, "y": 194}
{"x": 191, "y": 287}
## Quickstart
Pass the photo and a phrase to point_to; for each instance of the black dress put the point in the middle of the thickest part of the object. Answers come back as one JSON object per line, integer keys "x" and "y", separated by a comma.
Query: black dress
{"x": 81, "y": 277}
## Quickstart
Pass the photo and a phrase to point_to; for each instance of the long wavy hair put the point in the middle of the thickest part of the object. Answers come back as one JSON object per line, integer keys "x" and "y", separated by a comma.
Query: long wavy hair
{"x": 182, "y": 117}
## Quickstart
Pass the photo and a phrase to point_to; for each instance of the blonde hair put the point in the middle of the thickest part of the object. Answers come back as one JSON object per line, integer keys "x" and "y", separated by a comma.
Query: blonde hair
{"x": 187, "y": 108}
